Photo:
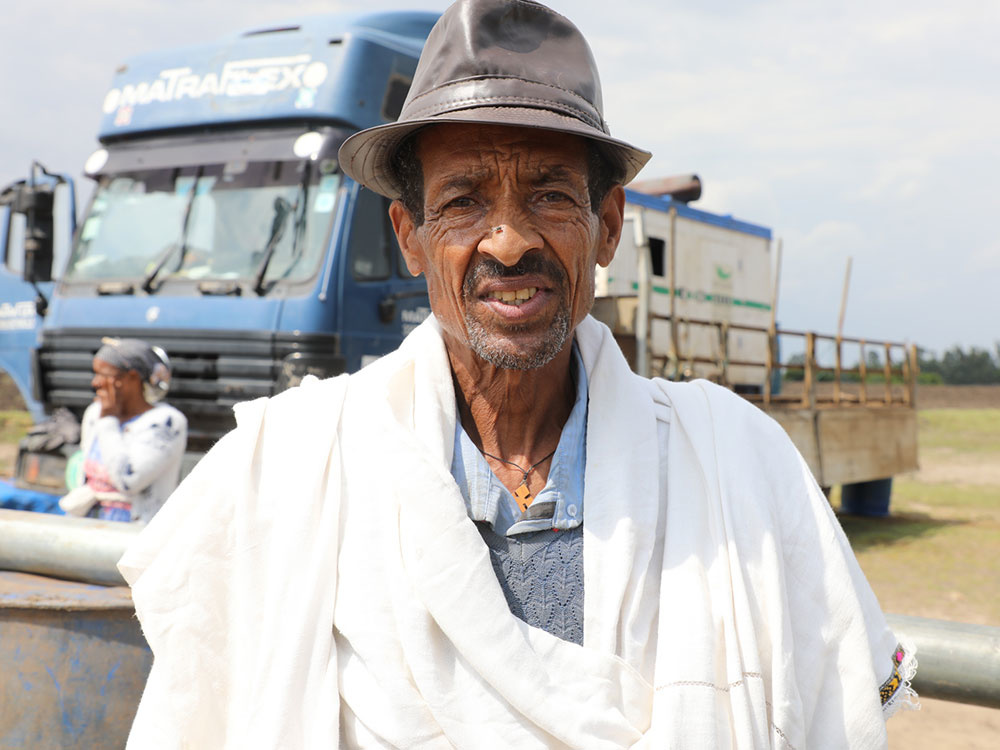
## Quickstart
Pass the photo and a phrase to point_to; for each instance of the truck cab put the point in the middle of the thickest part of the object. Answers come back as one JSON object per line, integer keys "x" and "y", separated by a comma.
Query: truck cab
{"x": 221, "y": 227}
{"x": 37, "y": 222}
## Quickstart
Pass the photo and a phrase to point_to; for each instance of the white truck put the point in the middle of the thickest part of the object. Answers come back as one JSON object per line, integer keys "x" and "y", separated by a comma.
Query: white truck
{"x": 690, "y": 294}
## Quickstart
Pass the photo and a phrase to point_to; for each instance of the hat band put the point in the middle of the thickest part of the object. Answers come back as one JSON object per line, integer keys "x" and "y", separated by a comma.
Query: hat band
{"x": 505, "y": 91}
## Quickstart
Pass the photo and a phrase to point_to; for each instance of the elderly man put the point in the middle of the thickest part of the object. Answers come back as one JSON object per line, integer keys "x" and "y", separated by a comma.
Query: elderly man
{"x": 499, "y": 536}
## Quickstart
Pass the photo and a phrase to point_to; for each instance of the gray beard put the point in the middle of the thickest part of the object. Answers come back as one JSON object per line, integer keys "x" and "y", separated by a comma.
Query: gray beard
{"x": 487, "y": 346}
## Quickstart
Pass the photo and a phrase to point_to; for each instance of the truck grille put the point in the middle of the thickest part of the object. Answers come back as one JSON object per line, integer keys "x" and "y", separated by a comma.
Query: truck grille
{"x": 212, "y": 370}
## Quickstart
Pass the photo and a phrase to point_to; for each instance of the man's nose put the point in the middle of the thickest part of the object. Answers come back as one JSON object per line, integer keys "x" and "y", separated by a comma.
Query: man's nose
{"x": 507, "y": 242}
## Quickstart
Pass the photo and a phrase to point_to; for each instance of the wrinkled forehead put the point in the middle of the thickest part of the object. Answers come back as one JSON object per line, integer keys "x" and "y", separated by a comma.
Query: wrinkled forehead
{"x": 451, "y": 148}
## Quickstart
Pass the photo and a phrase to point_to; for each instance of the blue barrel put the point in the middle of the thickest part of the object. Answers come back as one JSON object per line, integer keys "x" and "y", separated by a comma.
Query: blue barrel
{"x": 74, "y": 663}
{"x": 866, "y": 498}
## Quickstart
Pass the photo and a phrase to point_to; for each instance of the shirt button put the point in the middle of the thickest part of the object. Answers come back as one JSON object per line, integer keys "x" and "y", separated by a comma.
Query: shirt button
{"x": 571, "y": 510}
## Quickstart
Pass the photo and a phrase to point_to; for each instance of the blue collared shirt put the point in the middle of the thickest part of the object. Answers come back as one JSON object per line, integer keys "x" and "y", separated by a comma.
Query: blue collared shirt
{"x": 560, "y": 503}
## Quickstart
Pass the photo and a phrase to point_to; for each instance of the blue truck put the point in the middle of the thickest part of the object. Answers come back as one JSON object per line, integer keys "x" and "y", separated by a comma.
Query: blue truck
{"x": 220, "y": 228}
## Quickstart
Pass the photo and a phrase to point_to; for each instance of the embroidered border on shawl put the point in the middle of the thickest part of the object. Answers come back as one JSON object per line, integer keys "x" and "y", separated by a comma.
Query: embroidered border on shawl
{"x": 776, "y": 728}
{"x": 890, "y": 686}
{"x": 726, "y": 689}
{"x": 720, "y": 688}
{"x": 895, "y": 692}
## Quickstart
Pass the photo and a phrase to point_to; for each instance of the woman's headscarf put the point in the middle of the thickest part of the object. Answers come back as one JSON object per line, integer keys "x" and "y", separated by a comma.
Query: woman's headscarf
{"x": 151, "y": 362}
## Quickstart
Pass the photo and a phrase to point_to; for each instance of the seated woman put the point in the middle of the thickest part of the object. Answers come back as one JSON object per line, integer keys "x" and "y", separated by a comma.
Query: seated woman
{"x": 132, "y": 442}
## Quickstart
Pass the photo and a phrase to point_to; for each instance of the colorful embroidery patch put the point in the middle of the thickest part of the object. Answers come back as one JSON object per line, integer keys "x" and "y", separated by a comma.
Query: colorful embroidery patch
{"x": 890, "y": 686}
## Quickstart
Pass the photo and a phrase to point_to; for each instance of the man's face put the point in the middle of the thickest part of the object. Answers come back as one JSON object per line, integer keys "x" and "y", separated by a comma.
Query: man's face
{"x": 509, "y": 240}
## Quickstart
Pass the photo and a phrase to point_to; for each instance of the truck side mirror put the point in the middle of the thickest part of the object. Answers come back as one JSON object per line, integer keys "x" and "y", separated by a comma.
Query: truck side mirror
{"x": 36, "y": 203}
{"x": 44, "y": 205}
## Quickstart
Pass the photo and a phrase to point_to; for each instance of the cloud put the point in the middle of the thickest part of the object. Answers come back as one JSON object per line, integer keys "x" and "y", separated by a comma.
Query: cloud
{"x": 985, "y": 259}
{"x": 931, "y": 26}
{"x": 746, "y": 197}
{"x": 835, "y": 123}
{"x": 833, "y": 233}
{"x": 900, "y": 179}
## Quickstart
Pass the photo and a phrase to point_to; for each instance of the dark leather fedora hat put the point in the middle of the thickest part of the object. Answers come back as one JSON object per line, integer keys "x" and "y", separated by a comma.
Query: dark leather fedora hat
{"x": 504, "y": 62}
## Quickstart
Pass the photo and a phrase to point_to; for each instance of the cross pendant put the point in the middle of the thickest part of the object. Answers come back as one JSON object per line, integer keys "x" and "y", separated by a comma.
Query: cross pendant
{"x": 523, "y": 496}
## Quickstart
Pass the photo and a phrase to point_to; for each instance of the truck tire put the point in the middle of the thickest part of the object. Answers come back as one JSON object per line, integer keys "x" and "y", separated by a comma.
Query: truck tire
{"x": 866, "y": 498}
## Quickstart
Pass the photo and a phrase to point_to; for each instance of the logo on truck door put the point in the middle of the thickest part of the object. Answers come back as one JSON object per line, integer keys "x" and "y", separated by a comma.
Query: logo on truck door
{"x": 412, "y": 318}
{"x": 236, "y": 78}
{"x": 17, "y": 316}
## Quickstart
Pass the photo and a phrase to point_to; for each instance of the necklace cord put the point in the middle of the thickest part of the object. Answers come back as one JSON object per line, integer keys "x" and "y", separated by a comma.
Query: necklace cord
{"x": 518, "y": 466}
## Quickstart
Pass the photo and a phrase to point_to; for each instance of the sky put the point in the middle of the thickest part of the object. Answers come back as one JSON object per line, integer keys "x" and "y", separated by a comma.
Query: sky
{"x": 867, "y": 129}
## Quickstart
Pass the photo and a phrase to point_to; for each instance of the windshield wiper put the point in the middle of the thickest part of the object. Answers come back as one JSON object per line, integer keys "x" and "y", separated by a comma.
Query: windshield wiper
{"x": 147, "y": 283}
{"x": 298, "y": 207}
{"x": 282, "y": 210}
{"x": 300, "y": 220}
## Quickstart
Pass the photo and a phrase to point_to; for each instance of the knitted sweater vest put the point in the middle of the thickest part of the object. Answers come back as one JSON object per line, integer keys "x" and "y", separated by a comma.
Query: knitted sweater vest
{"x": 541, "y": 574}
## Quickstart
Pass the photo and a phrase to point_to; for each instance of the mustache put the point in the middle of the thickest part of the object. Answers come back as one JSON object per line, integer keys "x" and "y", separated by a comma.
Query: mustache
{"x": 487, "y": 269}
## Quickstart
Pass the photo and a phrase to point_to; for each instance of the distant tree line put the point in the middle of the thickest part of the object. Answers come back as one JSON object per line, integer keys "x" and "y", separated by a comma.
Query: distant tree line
{"x": 959, "y": 367}
{"x": 955, "y": 367}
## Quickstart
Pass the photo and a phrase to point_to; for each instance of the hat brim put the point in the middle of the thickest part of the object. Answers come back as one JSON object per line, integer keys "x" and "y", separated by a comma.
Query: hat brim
{"x": 366, "y": 156}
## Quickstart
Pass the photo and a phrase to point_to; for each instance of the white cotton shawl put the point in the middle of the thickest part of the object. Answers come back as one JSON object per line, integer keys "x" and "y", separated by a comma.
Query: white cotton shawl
{"x": 316, "y": 582}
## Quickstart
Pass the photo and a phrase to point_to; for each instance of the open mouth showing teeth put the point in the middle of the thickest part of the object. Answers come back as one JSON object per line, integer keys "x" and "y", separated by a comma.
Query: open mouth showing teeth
{"x": 515, "y": 297}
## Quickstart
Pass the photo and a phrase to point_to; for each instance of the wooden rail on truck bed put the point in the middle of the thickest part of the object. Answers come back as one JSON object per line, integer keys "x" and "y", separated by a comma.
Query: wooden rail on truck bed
{"x": 849, "y": 429}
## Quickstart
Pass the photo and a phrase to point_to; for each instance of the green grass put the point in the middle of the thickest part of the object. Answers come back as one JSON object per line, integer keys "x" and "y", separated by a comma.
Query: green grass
{"x": 980, "y": 499}
{"x": 962, "y": 430}
{"x": 901, "y": 528}
{"x": 938, "y": 554}
{"x": 919, "y": 564}
{"x": 13, "y": 426}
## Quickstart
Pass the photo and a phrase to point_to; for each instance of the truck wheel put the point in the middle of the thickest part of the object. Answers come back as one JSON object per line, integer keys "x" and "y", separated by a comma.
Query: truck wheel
{"x": 866, "y": 498}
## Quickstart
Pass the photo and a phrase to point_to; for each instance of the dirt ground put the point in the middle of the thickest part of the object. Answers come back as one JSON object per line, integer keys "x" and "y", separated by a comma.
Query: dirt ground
{"x": 928, "y": 396}
{"x": 959, "y": 470}
{"x": 942, "y": 725}
{"x": 958, "y": 396}
{"x": 10, "y": 398}
{"x": 8, "y": 456}
{"x": 957, "y": 487}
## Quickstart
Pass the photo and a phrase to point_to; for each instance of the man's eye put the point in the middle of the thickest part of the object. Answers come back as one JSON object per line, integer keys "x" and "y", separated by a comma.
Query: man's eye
{"x": 463, "y": 201}
{"x": 554, "y": 196}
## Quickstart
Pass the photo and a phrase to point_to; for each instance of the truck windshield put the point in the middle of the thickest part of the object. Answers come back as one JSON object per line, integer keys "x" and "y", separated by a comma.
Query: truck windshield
{"x": 210, "y": 222}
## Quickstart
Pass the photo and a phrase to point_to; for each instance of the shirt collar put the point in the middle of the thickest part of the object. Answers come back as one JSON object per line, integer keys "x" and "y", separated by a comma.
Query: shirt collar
{"x": 486, "y": 498}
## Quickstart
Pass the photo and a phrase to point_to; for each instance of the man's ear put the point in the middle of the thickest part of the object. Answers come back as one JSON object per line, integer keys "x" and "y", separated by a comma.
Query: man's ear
{"x": 612, "y": 218}
{"x": 406, "y": 236}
